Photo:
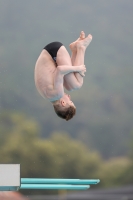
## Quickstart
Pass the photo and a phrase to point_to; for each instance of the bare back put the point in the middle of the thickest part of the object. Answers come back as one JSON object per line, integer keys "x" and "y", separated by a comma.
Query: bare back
{"x": 45, "y": 69}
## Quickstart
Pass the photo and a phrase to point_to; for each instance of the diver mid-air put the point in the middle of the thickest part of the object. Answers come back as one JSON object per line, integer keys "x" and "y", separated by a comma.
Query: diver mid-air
{"x": 56, "y": 70}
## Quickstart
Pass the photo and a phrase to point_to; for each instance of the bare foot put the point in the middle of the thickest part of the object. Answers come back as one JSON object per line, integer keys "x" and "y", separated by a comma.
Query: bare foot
{"x": 81, "y": 42}
{"x": 84, "y": 42}
{"x": 73, "y": 44}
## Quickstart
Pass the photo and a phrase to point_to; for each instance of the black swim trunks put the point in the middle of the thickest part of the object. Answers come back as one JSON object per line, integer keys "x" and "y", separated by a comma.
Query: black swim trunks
{"x": 52, "y": 49}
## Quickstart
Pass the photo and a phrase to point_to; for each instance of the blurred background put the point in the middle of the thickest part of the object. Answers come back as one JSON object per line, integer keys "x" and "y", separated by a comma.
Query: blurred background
{"x": 98, "y": 141}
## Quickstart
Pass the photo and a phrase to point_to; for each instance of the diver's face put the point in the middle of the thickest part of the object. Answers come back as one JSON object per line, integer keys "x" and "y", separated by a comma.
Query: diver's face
{"x": 67, "y": 100}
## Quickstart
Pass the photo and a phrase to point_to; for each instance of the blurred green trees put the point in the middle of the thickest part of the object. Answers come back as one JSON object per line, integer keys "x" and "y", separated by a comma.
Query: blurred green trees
{"x": 104, "y": 103}
{"x": 59, "y": 156}
{"x": 129, "y": 172}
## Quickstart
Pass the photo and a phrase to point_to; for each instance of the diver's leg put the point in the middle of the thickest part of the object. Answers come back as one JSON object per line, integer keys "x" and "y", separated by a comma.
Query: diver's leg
{"x": 70, "y": 80}
{"x": 74, "y": 80}
{"x": 78, "y": 49}
{"x": 73, "y": 47}
{"x": 63, "y": 58}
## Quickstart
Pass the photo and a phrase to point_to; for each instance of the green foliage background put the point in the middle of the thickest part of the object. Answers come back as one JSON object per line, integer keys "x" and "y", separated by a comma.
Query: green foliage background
{"x": 60, "y": 156}
{"x": 104, "y": 104}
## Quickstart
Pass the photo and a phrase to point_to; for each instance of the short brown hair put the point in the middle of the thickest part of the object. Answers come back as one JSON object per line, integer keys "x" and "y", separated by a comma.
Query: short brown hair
{"x": 65, "y": 112}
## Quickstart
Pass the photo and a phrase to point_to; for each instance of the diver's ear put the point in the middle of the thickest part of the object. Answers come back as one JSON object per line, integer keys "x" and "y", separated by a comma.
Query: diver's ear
{"x": 63, "y": 103}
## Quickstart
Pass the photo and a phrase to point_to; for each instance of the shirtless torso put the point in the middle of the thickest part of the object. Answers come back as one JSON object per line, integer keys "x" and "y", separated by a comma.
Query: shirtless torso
{"x": 49, "y": 78}
{"x": 45, "y": 70}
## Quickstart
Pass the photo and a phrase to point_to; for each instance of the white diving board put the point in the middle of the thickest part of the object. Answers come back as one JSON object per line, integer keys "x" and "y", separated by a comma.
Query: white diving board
{"x": 10, "y": 180}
